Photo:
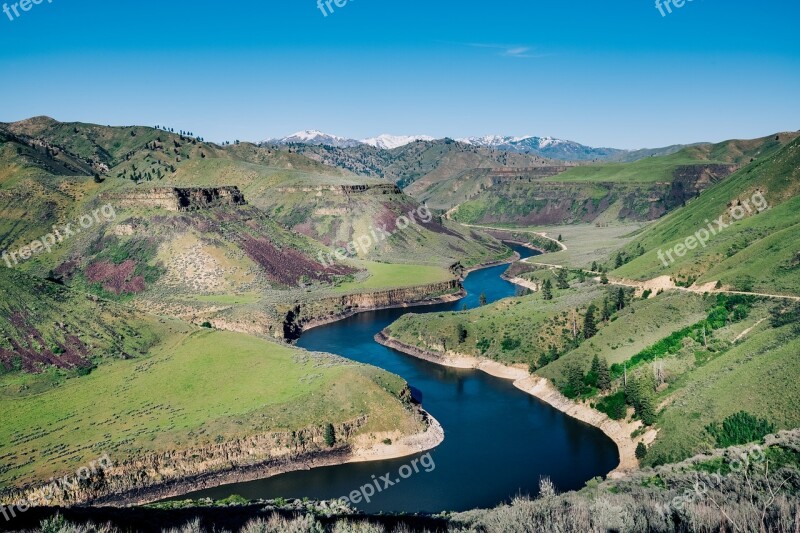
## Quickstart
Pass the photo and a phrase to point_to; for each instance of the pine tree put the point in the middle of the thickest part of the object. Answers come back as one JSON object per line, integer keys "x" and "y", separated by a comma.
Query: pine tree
{"x": 330, "y": 435}
{"x": 604, "y": 279}
{"x": 462, "y": 333}
{"x": 575, "y": 385}
{"x": 547, "y": 290}
{"x": 594, "y": 266}
{"x": 562, "y": 278}
{"x": 606, "y": 311}
{"x": 482, "y": 299}
{"x": 620, "y": 299}
{"x": 603, "y": 375}
{"x": 641, "y": 451}
{"x": 618, "y": 261}
{"x": 589, "y": 325}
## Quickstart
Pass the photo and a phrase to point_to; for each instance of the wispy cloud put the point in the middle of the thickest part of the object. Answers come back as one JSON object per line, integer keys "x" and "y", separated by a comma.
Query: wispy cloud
{"x": 505, "y": 50}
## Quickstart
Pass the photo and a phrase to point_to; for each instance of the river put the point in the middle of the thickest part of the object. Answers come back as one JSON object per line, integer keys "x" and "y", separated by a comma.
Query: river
{"x": 498, "y": 442}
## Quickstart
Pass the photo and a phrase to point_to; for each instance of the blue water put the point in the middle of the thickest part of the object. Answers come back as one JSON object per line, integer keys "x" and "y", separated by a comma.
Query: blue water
{"x": 498, "y": 442}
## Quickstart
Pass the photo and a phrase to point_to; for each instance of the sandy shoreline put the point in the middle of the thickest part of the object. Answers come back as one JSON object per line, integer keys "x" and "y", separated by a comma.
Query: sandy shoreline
{"x": 618, "y": 431}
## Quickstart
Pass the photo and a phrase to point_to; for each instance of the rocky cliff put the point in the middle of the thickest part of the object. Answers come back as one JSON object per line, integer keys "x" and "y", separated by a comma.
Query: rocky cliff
{"x": 307, "y": 315}
{"x": 176, "y": 198}
{"x": 343, "y": 190}
{"x": 153, "y": 477}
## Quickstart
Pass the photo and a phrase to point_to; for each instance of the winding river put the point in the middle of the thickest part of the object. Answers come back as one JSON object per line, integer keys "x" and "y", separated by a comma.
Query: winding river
{"x": 498, "y": 442}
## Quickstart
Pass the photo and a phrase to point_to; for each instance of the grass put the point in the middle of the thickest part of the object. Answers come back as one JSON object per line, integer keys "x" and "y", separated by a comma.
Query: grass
{"x": 756, "y": 253}
{"x": 391, "y": 276}
{"x": 189, "y": 390}
{"x": 760, "y": 375}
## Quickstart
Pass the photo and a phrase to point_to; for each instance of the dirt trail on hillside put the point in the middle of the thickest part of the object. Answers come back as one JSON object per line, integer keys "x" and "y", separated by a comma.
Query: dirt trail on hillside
{"x": 666, "y": 283}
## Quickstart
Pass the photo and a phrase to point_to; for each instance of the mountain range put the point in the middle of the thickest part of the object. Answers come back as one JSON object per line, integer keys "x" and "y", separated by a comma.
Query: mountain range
{"x": 548, "y": 147}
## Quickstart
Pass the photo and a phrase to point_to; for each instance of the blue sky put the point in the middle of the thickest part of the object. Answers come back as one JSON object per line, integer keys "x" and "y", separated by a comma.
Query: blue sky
{"x": 604, "y": 73}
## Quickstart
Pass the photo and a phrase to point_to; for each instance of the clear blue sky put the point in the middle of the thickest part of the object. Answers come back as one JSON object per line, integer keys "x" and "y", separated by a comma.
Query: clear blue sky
{"x": 605, "y": 73}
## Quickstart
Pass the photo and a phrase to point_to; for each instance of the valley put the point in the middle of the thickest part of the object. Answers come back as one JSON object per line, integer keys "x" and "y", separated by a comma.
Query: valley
{"x": 308, "y": 322}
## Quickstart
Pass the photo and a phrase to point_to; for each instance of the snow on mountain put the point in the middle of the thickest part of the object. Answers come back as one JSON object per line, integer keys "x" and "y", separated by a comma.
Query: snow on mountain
{"x": 548, "y": 147}
{"x": 389, "y": 142}
{"x": 315, "y": 138}
{"x": 543, "y": 146}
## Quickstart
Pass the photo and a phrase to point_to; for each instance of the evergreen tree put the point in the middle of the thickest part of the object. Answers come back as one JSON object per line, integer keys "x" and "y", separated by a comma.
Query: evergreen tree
{"x": 482, "y": 299}
{"x": 589, "y": 324}
{"x": 618, "y": 261}
{"x": 581, "y": 276}
{"x": 620, "y": 299}
{"x": 547, "y": 290}
{"x": 330, "y": 435}
{"x": 603, "y": 375}
{"x": 606, "y": 311}
{"x": 575, "y": 384}
{"x": 594, "y": 266}
{"x": 604, "y": 279}
{"x": 462, "y": 333}
{"x": 641, "y": 451}
{"x": 562, "y": 278}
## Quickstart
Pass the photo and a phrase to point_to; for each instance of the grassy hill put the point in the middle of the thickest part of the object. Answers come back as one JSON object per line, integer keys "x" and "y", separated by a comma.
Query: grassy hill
{"x": 80, "y": 377}
{"x": 681, "y": 362}
{"x": 637, "y": 191}
{"x": 758, "y": 252}
{"x": 274, "y": 250}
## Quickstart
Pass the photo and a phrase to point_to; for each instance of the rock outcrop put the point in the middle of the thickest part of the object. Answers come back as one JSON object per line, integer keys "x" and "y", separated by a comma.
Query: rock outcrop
{"x": 303, "y": 316}
{"x": 177, "y": 198}
{"x": 344, "y": 190}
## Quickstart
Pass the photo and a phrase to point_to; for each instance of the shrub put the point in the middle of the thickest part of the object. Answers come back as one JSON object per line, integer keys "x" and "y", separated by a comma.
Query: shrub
{"x": 641, "y": 451}
{"x": 740, "y": 428}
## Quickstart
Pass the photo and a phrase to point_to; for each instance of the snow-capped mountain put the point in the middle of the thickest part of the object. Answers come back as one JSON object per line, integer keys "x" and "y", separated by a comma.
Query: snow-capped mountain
{"x": 389, "y": 142}
{"x": 319, "y": 138}
{"x": 315, "y": 138}
{"x": 548, "y": 147}
{"x": 543, "y": 146}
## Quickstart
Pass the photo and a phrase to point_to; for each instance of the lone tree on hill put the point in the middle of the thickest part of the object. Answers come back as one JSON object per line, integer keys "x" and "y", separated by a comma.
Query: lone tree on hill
{"x": 330, "y": 435}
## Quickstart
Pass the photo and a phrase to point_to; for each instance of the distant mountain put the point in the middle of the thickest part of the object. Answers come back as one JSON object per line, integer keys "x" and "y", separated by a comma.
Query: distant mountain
{"x": 390, "y": 142}
{"x": 545, "y": 147}
{"x": 319, "y": 138}
{"x": 315, "y": 138}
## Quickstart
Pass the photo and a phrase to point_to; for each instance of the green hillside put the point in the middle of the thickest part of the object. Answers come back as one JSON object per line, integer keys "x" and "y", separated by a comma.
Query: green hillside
{"x": 758, "y": 252}
{"x": 637, "y": 191}
{"x": 80, "y": 377}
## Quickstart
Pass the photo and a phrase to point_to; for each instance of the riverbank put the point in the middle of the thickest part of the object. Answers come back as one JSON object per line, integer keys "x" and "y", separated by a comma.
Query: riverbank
{"x": 618, "y": 431}
{"x": 152, "y": 478}
{"x": 416, "y": 296}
